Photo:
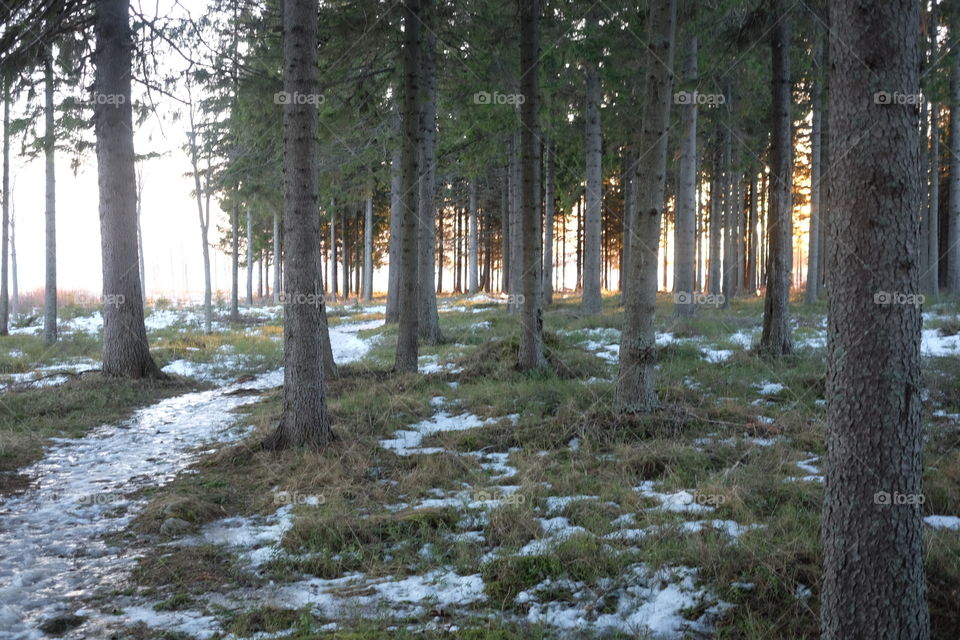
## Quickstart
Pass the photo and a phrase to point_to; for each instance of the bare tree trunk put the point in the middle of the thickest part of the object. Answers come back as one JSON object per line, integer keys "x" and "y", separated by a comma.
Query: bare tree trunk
{"x": 550, "y": 206}
{"x": 392, "y": 314}
{"x": 473, "y": 277}
{"x": 594, "y": 186}
{"x": 813, "y": 250}
{"x": 203, "y": 214}
{"x": 345, "y": 235}
{"x": 751, "y": 284}
{"x": 125, "y": 349}
{"x": 277, "y": 258}
{"x": 715, "y": 223}
{"x": 953, "y": 222}
{"x": 505, "y": 231}
{"x": 406, "y": 356}
{"x": 516, "y": 228}
{"x": 931, "y": 279}
{"x": 50, "y": 215}
{"x": 4, "y": 256}
{"x": 368, "y": 247}
{"x": 531, "y": 307}
{"x": 728, "y": 271}
{"x": 776, "y": 339}
{"x": 686, "y": 211}
{"x": 15, "y": 298}
{"x": 249, "y": 256}
{"x": 428, "y": 327}
{"x": 874, "y": 584}
{"x": 635, "y": 381}
{"x": 143, "y": 275}
{"x": 305, "y": 421}
{"x": 235, "y": 262}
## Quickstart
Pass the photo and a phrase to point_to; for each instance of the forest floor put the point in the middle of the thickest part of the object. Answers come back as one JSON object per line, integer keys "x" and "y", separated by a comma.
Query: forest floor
{"x": 468, "y": 501}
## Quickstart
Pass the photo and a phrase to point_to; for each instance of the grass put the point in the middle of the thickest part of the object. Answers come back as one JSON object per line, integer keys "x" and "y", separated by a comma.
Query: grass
{"x": 716, "y": 435}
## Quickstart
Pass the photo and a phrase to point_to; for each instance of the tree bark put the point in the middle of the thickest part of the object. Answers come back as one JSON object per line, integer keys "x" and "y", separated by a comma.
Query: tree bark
{"x": 685, "y": 230}
{"x": 813, "y": 250}
{"x": 125, "y": 349}
{"x": 531, "y": 307}
{"x": 305, "y": 421}
{"x": 714, "y": 264}
{"x": 392, "y": 314}
{"x": 368, "y": 247}
{"x": 277, "y": 257}
{"x": 550, "y": 206}
{"x": 776, "y": 339}
{"x": 873, "y": 583}
{"x": 428, "y": 326}
{"x": 249, "y": 256}
{"x": 635, "y": 381}
{"x": 50, "y": 215}
{"x": 473, "y": 278}
{"x": 594, "y": 186}
{"x": 406, "y": 356}
{"x": 953, "y": 226}
{"x": 931, "y": 278}
{"x": 4, "y": 255}
{"x": 235, "y": 261}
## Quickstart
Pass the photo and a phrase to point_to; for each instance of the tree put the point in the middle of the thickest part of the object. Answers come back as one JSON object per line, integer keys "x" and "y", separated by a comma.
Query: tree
{"x": 407, "y": 296}
{"x": 874, "y": 584}
{"x": 50, "y": 213}
{"x": 125, "y": 349}
{"x": 813, "y": 250}
{"x": 305, "y": 420}
{"x": 635, "y": 380}
{"x": 685, "y": 231}
{"x": 550, "y": 207}
{"x": 531, "y": 307}
{"x": 202, "y": 191}
{"x": 428, "y": 326}
{"x": 4, "y": 256}
{"x": 594, "y": 200}
{"x": 776, "y": 340}
{"x": 953, "y": 221}
{"x": 473, "y": 278}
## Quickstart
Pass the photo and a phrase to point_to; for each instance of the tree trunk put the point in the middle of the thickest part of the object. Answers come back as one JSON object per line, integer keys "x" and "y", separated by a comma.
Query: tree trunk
{"x": 931, "y": 278}
{"x": 531, "y": 311}
{"x": 305, "y": 421}
{"x": 4, "y": 256}
{"x": 203, "y": 215}
{"x": 516, "y": 228}
{"x": 715, "y": 223}
{"x": 635, "y": 381}
{"x": 686, "y": 212}
{"x": 813, "y": 250}
{"x": 15, "y": 298}
{"x": 368, "y": 247}
{"x": 873, "y": 583}
{"x": 249, "y": 256}
{"x": 392, "y": 314}
{"x": 776, "y": 339}
{"x": 50, "y": 216}
{"x": 953, "y": 226}
{"x": 345, "y": 241}
{"x": 428, "y": 327}
{"x": 406, "y": 356}
{"x": 505, "y": 231}
{"x": 594, "y": 186}
{"x": 235, "y": 261}
{"x": 142, "y": 265}
{"x": 550, "y": 206}
{"x": 473, "y": 279}
{"x": 751, "y": 284}
{"x": 277, "y": 257}
{"x": 125, "y": 349}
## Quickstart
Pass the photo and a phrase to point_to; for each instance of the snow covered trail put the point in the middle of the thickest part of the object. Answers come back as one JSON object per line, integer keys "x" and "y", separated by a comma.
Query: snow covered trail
{"x": 51, "y": 536}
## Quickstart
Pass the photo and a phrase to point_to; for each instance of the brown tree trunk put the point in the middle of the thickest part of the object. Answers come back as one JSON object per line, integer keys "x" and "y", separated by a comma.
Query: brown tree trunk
{"x": 635, "y": 381}
{"x": 125, "y": 349}
{"x": 305, "y": 420}
{"x": 776, "y": 339}
{"x": 406, "y": 356}
{"x": 531, "y": 307}
{"x": 874, "y": 584}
